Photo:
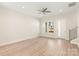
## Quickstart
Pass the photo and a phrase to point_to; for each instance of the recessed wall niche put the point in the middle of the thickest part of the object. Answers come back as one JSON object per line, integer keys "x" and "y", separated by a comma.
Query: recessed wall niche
{"x": 49, "y": 26}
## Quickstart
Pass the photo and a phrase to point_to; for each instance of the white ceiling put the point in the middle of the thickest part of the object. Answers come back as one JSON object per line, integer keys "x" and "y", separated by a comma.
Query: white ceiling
{"x": 30, "y": 8}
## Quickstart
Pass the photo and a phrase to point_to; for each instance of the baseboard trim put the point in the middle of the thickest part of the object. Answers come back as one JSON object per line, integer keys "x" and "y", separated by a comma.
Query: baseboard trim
{"x": 51, "y": 37}
{"x": 75, "y": 43}
{"x": 18, "y": 40}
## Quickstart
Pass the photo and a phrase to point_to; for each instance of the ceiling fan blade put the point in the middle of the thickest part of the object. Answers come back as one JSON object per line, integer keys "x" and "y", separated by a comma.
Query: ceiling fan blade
{"x": 44, "y": 9}
{"x": 44, "y": 13}
{"x": 48, "y": 11}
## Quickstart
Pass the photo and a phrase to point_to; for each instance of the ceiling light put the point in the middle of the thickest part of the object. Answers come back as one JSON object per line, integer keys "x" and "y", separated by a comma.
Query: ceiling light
{"x": 22, "y": 6}
{"x": 60, "y": 10}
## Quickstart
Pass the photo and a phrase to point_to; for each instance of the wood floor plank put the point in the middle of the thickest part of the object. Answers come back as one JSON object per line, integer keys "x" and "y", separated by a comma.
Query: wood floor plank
{"x": 40, "y": 47}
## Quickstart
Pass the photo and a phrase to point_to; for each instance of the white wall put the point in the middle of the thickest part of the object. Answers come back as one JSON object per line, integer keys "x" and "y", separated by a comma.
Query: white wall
{"x": 62, "y": 27}
{"x": 78, "y": 24}
{"x": 15, "y": 26}
{"x": 71, "y": 20}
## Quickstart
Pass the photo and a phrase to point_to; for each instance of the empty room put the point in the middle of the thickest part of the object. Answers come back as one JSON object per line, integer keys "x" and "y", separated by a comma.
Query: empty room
{"x": 39, "y": 28}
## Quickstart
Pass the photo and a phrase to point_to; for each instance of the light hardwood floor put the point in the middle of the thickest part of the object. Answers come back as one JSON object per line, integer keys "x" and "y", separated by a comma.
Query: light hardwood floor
{"x": 40, "y": 47}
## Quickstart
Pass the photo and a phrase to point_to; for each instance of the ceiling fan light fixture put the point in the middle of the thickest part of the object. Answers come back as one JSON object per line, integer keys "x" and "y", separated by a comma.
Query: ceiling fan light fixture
{"x": 23, "y": 7}
{"x": 60, "y": 10}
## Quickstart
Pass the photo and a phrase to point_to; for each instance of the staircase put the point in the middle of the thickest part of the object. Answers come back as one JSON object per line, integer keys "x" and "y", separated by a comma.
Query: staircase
{"x": 72, "y": 34}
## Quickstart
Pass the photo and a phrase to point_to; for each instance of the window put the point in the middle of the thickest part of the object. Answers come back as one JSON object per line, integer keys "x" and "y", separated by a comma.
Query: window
{"x": 49, "y": 26}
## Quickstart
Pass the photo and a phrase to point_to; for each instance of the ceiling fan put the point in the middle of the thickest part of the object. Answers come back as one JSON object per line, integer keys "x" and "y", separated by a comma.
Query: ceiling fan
{"x": 44, "y": 11}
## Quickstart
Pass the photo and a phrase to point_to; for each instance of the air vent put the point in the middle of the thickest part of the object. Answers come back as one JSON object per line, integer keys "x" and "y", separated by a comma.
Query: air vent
{"x": 72, "y": 4}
